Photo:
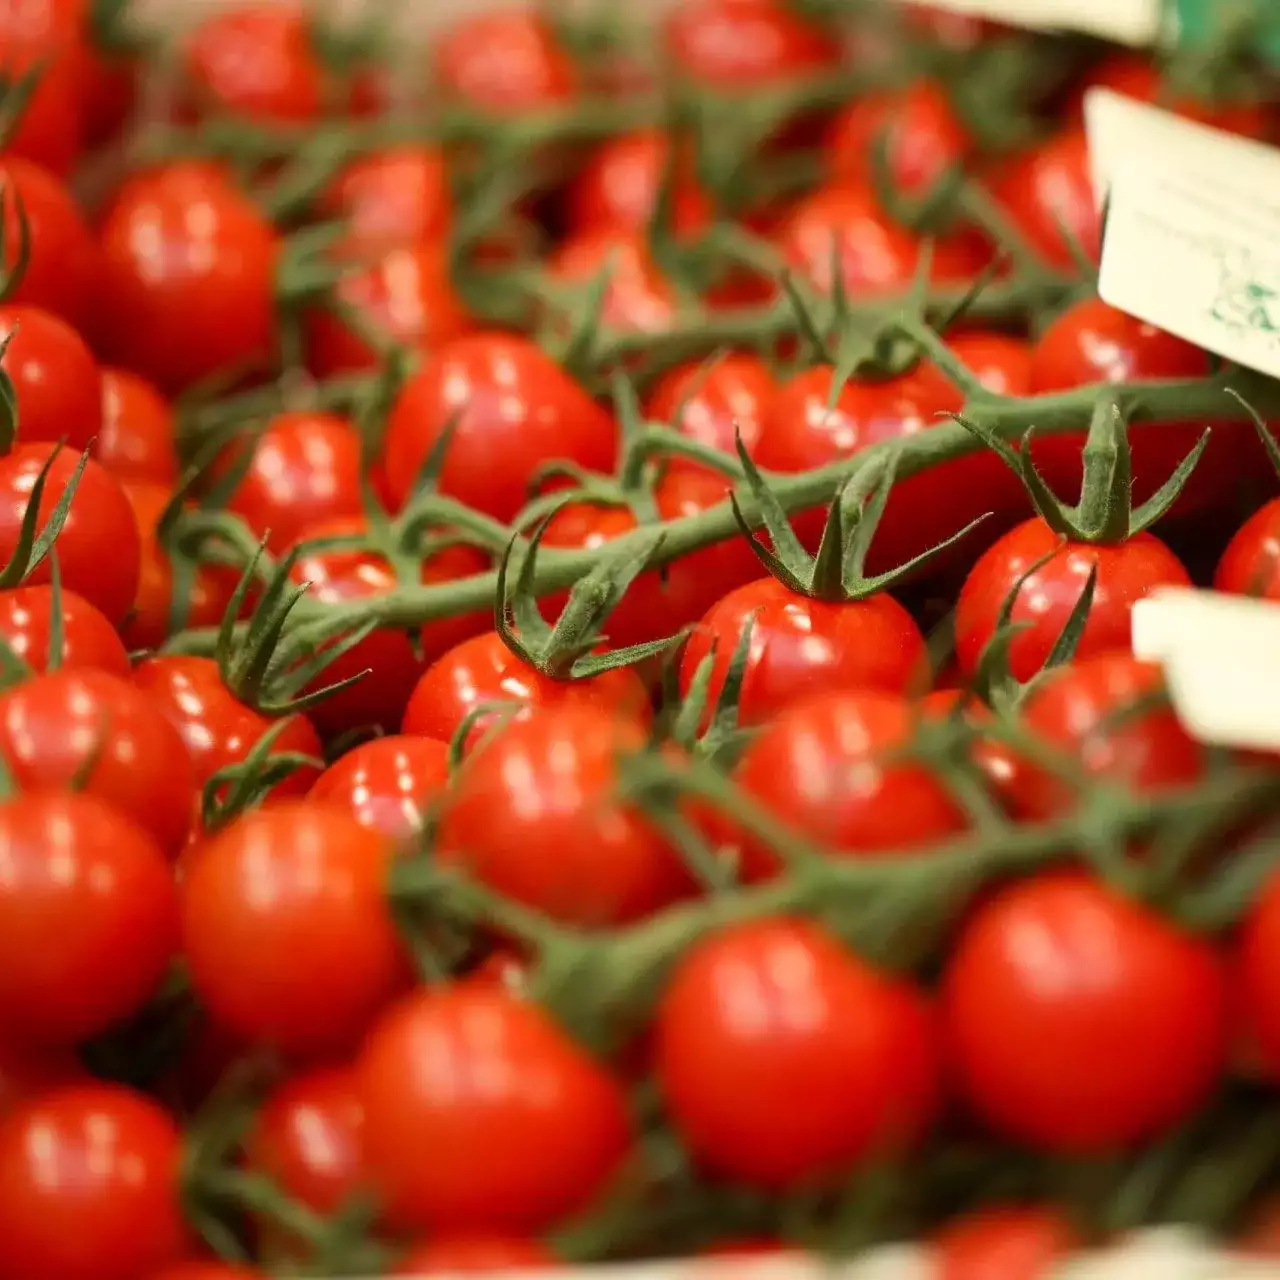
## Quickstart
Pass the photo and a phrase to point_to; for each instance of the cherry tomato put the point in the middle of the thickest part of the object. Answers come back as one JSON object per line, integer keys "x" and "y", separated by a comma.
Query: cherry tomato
{"x": 98, "y": 549}
{"x": 1125, "y": 574}
{"x": 405, "y": 293}
{"x": 190, "y": 266}
{"x": 801, "y": 645}
{"x": 513, "y": 410}
{"x": 136, "y": 441}
{"x": 88, "y": 638}
{"x": 1080, "y": 1022}
{"x": 507, "y": 63}
{"x": 208, "y": 594}
{"x": 304, "y": 469}
{"x": 637, "y": 298}
{"x": 483, "y": 670}
{"x": 220, "y": 731}
{"x": 309, "y": 1138}
{"x": 256, "y": 61}
{"x": 1250, "y": 566}
{"x": 832, "y": 1063}
{"x": 465, "y": 1254}
{"x": 1094, "y": 343}
{"x": 54, "y": 375}
{"x": 74, "y": 869}
{"x": 1005, "y": 1242}
{"x": 27, "y": 1070}
{"x": 825, "y": 767}
{"x": 923, "y": 137}
{"x": 388, "y": 656}
{"x": 108, "y": 93}
{"x": 535, "y": 815}
{"x": 389, "y": 198}
{"x": 388, "y": 783}
{"x": 287, "y": 930}
{"x": 63, "y": 273}
{"x": 1003, "y": 364}
{"x": 715, "y": 403}
{"x": 660, "y": 602}
{"x": 482, "y": 1115}
{"x": 94, "y": 732}
{"x": 1086, "y": 710}
{"x": 618, "y": 188}
{"x": 89, "y": 1186}
{"x": 43, "y": 36}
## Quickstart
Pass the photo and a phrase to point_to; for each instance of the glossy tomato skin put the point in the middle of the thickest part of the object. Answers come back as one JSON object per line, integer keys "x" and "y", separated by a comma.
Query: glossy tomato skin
{"x": 254, "y": 61}
{"x": 88, "y": 638}
{"x": 287, "y": 930}
{"x": 189, "y": 276}
{"x": 90, "y": 731}
{"x": 44, "y": 40}
{"x": 75, "y": 869}
{"x": 464, "y": 1254}
{"x": 835, "y": 1063}
{"x": 89, "y": 1186}
{"x": 1005, "y": 1242}
{"x": 389, "y": 198}
{"x": 218, "y": 729}
{"x": 405, "y": 293}
{"x": 483, "y": 670}
{"x": 387, "y": 784}
{"x": 1125, "y": 574}
{"x": 514, "y": 409}
{"x": 800, "y": 646}
{"x": 99, "y": 517}
{"x": 63, "y": 273}
{"x": 1081, "y": 708}
{"x": 55, "y": 377}
{"x": 482, "y": 1115}
{"x": 1250, "y": 565}
{"x": 136, "y": 442}
{"x": 505, "y": 63}
{"x": 564, "y": 844}
{"x": 1002, "y": 363}
{"x": 1110, "y": 1031}
{"x": 1094, "y": 343}
{"x": 819, "y": 766}
{"x": 304, "y": 469}
{"x": 637, "y": 298}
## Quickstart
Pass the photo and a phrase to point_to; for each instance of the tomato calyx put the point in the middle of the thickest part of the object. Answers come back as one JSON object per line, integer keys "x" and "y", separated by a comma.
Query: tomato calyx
{"x": 715, "y": 733}
{"x": 244, "y": 785}
{"x": 35, "y": 543}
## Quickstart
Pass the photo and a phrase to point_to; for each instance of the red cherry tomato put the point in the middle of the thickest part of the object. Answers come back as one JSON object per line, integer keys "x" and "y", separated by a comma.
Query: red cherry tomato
{"x": 1005, "y": 1242}
{"x": 1086, "y": 710}
{"x": 1259, "y": 972}
{"x": 833, "y": 1063}
{"x": 513, "y": 410}
{"x": 482, "y": 1115}
{"x": 824, "y": 766}
{"x": 88, "y": 638}
{"x": 398, "y": 196}
{"x": 535, "y": 815}
{"x": 89, "y": 1186}
{"x": 219, "y": 730}
{"x": 480, "y": 1253}
{"x": 1094, "y": 343}
{"x": 800, "y": 646}
{"x": 74, "y": 869}
{"x": 90, "y": 731}
{"x": 108, "y": 93}
{"x": 1125, "y": 574}
{"x": 483, "y": 670}
{"x": 28, "y": 1070}
{"x": 304, "y": 469}
{"x": 54, "y": 375}
{"x": 287, "y": 930}
{"x": 1110, "y": 1029}
{"x": 923, "y": 137}
{"x": 1250, "y": 566}
{"x": 255, "y": 61}
{"x": 1003, "y": 364}
{"x": 136, "y": 442}
{"x": 637, "y": 298}
{"x": 618, "y": 187}
{"x": 44, "y": 36}
{"x": 190, "y": 268}
{"x": 62, "y": 275}
{"x": 387, "y": 784}
{"x": 309, "y": 1138}
{"x": 100, "y": 517}
{"x": 507, "y": 63}
{"x": 405, "y": 294}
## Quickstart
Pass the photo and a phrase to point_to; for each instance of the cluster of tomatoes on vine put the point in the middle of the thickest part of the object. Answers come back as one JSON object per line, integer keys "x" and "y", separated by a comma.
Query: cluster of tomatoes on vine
{"x": 253, "y": 668}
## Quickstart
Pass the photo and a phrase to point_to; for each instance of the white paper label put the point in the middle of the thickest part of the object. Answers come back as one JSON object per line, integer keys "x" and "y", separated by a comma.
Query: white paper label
{"x": 1134, "y": 22}
{"x": 1192, "y": 242}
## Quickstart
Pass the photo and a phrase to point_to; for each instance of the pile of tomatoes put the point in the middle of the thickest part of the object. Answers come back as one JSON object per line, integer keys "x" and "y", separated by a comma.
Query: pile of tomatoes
{"x": 555, "y": 708}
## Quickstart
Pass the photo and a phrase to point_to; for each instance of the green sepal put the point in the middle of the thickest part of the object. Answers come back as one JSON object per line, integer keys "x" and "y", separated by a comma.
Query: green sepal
{"x": 248, "y": 782}
{"x": 33, "y": 547}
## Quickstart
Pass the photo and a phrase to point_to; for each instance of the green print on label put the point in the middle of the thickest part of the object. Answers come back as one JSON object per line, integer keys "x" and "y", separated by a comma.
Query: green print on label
{"x": 1244, "y": 301}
